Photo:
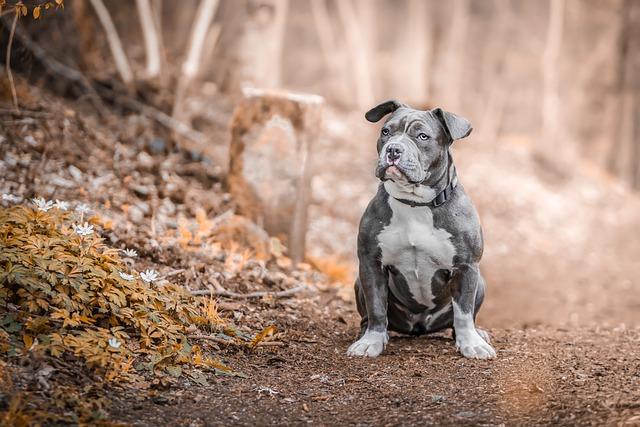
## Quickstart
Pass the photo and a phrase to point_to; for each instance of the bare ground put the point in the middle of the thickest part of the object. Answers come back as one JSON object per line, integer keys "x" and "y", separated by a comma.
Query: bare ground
{"x": 541, "y": 377}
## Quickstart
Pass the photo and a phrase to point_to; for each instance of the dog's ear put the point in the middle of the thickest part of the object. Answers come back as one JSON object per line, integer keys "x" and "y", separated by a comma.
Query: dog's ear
{"x": 381, "y": 110}
{"x": 457, "y": 127}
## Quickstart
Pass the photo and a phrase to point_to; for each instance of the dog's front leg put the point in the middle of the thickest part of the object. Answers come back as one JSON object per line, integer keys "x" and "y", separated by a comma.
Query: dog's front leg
{"x": 374, "y": 286}
{"x": 465, "y": 281}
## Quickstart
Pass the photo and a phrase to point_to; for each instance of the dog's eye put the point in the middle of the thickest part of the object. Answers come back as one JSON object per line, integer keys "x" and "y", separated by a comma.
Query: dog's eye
{"x": 385, "y": 131}
{"x": 423, "y": 136}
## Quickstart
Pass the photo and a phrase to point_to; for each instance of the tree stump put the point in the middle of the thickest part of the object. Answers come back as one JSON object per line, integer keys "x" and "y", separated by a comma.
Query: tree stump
{"x": 272, "y": 136}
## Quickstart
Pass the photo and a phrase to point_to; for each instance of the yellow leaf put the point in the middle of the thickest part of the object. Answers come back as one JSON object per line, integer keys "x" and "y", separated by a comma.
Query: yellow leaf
{"x": 268, "y": 331}
{"x": 36, "y": 12}
{"x": 28, "y": 341}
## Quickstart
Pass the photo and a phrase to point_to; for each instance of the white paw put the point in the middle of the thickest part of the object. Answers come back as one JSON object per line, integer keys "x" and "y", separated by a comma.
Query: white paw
{"x": 371, "y": 344}
{"x": 484, "y": 335}
{"x": 473, "y": 346}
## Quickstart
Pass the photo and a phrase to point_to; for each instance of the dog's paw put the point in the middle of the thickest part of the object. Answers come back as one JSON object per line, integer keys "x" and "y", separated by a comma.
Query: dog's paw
{"x": 371, "y": 344}
{"x": 484, "y": 335}
{"x": 472, "y": 345}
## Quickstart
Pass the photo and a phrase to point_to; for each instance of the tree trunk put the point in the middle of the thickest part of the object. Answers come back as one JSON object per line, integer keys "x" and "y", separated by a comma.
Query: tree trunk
{"x": 151, "y": 39}
{"x": 115, "y": 45}
{"x": 351, "y": 25}
{"x": 454, "y": 57}
{"x": 550, "y": 67}
{"x": 191, "y": 65}
{"x": 262, "y": 43}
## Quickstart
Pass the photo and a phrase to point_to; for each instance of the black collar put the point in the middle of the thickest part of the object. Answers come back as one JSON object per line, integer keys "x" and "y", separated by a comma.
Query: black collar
{"x": 440, "y": 199}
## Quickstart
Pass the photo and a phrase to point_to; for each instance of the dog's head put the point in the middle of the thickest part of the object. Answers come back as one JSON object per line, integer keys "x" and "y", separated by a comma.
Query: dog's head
{"x": 414, "y": 143}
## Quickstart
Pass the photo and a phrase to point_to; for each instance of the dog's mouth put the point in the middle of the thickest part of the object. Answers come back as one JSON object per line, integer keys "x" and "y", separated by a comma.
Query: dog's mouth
{"x": 393, "y": 171}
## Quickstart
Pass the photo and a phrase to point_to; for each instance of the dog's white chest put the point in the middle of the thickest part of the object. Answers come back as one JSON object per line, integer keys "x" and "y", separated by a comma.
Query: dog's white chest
{"x": 411, "y": 244}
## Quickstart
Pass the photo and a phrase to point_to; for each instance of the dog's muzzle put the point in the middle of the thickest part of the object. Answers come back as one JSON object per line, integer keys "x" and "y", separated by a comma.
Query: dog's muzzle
{"x": 400, "y": 160}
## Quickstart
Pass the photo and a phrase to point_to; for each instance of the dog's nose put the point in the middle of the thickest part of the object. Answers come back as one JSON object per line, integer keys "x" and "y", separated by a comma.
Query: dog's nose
{"x": 394, "y": 151}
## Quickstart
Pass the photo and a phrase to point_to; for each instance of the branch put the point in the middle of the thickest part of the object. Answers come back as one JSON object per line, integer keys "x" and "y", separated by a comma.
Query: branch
{"x": 58, "y": 68}
{"x": 160, "y": 117}
{"x": 220, "y": 291}
{"x": 122, "y": 63}
{"x": 228, "y": 342}
{"x": 7, "y": 63}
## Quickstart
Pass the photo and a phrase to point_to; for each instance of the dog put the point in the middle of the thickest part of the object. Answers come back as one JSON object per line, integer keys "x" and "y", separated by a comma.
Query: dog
{"x": 419, "y": 240}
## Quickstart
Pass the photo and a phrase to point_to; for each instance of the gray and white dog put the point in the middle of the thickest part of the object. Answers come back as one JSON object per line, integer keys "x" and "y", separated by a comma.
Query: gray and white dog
{"x": 420, "y": 240}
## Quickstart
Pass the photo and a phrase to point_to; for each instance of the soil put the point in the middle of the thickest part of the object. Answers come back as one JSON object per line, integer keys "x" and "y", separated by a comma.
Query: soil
{"x": 561, "y": 307}
{"x": 541, "y": 377}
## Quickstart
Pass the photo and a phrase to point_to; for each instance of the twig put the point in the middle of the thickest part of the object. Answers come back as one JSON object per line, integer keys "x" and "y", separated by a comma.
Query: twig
{"x": 212, "y": 338}
{"x": 220, "y": 291}
{"x": 26, "y": 113}
{"x": 228, "y": 342}
{"x": 159, "y": 116}
{"x": 7, "y": 62}
{"x": 174, "y": 273}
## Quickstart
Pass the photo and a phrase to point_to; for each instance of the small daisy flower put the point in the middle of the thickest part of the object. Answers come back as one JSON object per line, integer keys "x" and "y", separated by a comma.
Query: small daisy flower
{"x": 83, "y": 208}
{"x": 83, "y": 230}
{"x": 131, "y": 253}
{"x": 127, "y": 277}
{"x": 149, "y": 276}
{"x": 62, "y": 205}
{"x": 42, "y": 204}
{"x": 114, "y": 343}
{"x": 10, "y": 198}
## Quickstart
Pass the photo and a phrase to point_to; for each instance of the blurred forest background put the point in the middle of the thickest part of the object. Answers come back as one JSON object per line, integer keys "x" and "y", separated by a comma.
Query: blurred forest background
{"x": 551, "y": 88}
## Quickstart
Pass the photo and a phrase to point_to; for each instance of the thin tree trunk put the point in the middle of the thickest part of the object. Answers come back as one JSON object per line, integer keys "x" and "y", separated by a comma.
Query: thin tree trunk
{"x": 411, "y": 81}
{"x": 7, "y": 62}
{"x": 151, "y": 39}
{"x": 325, "y": 33}
{"x": 338, "y": 83}
{"x": 551, "y": 98}
{"x": 624, "y": 102}
{"x": 362, "y": 77}
{"x": 419, "y": 28}
{"x": 119, "y": 56}
{"x": 204, "y": 16}
{"x": 454, "y": 59}
{"x": 262, "y": 43}
{"x": 494, "y": 78}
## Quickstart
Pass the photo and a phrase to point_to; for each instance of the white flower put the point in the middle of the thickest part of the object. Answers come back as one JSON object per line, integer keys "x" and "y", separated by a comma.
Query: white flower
{"x": 113, "y": 342}
{"x": 132, "y": 253}
{"x": 127, "y": 277}
{"x": 83, "y": 230}
{"x": 83, "y": 208}
{"x": 10, "y": 198}
{"x": 42, "y": 204}
{"x": 149, "y": 275}
{"x": 62, "y": 205}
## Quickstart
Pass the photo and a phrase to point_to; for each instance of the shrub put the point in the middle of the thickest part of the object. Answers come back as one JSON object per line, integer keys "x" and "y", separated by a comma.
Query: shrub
{"x": 65, "y": 292}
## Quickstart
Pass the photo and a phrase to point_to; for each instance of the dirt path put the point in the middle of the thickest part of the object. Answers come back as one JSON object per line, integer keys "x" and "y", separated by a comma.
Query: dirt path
{"x": 541, "y": 377}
